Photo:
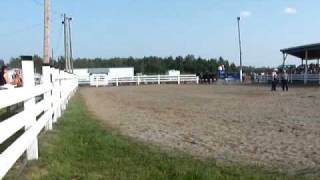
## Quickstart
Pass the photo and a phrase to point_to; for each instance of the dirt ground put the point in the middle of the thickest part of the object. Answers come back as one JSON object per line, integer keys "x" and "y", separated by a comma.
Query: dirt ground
{"x": 244, "y": 124}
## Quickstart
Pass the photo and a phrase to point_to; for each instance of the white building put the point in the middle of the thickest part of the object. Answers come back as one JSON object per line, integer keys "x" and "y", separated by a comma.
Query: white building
{"x": 110, "y": 73}
{"x": 174, "y": 73}
{"x": 120, "y": 72}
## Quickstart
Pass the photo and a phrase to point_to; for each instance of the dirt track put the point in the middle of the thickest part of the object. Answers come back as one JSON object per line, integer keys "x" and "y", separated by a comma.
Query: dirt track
{"x": 230, "y": 123}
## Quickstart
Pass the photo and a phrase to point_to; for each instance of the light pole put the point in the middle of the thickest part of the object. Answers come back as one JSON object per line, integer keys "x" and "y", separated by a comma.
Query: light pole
{"x": 239, "y": 34}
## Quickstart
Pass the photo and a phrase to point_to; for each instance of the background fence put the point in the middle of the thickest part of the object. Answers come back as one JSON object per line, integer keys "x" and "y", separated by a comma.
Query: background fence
{"x": 103, "y": 80}
{"x": 55, "y": 90}
{"x": 291, "y": 78}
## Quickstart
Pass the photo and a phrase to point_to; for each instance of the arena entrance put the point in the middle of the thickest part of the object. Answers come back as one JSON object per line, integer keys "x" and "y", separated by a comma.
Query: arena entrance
{"x": 305, "y": 53}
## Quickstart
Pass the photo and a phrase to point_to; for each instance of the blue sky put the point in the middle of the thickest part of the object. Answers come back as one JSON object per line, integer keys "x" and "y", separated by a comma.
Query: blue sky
{"x": 122, "y": 28}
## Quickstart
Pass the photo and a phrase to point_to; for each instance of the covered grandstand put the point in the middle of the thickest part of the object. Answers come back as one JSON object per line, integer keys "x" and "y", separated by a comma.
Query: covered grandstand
{"x": 306, "y": 53}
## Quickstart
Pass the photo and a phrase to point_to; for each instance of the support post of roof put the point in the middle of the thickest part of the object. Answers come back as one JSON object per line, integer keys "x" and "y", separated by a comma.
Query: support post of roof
{"x": 306, "y": 68}
{"x": 284, "y": 60}
{"x": 318, "y": 62}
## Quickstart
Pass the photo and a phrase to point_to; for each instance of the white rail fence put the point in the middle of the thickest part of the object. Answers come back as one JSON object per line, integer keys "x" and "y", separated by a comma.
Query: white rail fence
{"x": 292, "y": 77}
{"x": 57, "y": 88}
{"x": 103, "y": 80}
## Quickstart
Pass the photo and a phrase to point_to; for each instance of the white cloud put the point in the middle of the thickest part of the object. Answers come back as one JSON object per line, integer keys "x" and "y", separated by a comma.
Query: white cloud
{"x": 245, "y": 14}
{"x": 290, "y": 10}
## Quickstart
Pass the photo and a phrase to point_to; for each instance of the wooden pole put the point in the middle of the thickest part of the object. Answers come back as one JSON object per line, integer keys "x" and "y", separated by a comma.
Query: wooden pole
{"x": 46, "y": 57}
{"x": 66, "y": 44}
{"x": 70, "y": 46}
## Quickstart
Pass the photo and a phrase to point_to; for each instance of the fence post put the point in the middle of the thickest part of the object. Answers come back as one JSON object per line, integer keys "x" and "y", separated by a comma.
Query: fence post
{"x": 59, "y": 96}
{"x": 159, "y": 79}
{"x": 54, "y": 99}
{"x": 97, "y": 81}
{"x": 29, "y": 105}
{"x": 106, "y": 81}
{"x": 47, "y": 81}
{"x": 179, "y": 79}
{"x": 117, "y": 81}
{"x": 53, "y": 94}
{"x": 197, "y": 79}
{"x": 138, "y": 81}
{"x": 63, "y": 91}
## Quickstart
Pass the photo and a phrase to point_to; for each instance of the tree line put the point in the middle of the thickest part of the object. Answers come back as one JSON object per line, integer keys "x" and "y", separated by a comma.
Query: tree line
{"x": 159, "y": 65}
{"x": 145, "y": 65}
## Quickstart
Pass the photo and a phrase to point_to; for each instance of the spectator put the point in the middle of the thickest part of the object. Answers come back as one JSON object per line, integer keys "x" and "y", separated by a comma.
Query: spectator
{"x": 6, "y": 83}
{"x": 274, "y": 83}
{"x": 4, "y": 78}
{"x": 284, "y": 81}
{"x": 17, "y": 80}
{"x": 312, "y": 69}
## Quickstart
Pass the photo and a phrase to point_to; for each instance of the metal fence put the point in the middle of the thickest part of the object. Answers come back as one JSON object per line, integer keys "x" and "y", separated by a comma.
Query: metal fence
{"x": 291, "y": 78}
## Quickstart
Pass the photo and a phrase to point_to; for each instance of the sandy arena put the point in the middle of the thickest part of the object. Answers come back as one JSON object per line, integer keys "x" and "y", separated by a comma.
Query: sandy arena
{"x": 243, "y": 124}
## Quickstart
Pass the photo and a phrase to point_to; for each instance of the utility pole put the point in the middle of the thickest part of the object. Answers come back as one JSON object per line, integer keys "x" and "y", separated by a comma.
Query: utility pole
{"x": 240, "y": 49}
{"x": 46, "y": 57}
{"x": 67, "y": 44}
{"x": 70, "y": 45}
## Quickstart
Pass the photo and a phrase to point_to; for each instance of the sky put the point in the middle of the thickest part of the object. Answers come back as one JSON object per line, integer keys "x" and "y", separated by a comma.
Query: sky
{"x": 123, "y": 28}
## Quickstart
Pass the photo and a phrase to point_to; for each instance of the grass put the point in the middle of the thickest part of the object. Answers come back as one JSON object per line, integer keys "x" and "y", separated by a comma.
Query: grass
{"x": 80, "y": 147}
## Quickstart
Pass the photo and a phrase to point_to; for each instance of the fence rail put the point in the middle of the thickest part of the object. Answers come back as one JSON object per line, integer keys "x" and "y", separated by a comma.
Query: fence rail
{"x": 103, "y": 80}
{"x": 291, "y": 78}
{"x": 57, "y": 87}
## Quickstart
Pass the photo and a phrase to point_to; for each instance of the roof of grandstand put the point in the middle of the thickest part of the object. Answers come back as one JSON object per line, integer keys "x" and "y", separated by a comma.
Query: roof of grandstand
{"x": 311, "y": 51}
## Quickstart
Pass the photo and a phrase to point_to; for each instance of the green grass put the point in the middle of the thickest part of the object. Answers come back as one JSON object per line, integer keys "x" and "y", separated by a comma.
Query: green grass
{"x": 80, "y": 147}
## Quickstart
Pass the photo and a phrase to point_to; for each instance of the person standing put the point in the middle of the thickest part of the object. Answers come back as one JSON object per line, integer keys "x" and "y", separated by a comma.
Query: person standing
{"x": 4, "y": 77}
{"x": 284, "y": 81}
{"x": 274, "y": 82}
{"x": 17, "y": 80}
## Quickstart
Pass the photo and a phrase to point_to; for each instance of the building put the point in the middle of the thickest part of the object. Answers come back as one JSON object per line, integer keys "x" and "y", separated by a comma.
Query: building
{"x": 173, "y": 73}
{"x": 111, "y": 73}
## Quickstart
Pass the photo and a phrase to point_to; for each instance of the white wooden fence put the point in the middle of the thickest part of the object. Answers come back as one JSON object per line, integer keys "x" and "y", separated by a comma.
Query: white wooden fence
{"x": 102, "y": 80}
{"x": 57, "y": 87}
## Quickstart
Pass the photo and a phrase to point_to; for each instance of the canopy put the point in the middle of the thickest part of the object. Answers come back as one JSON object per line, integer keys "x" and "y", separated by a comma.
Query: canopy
{"x": 306, "y": 52}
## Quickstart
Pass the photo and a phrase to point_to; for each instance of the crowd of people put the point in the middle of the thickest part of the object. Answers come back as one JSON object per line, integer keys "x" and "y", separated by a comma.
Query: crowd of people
{"x": 312, "y": 69}
{"x": 7, "y": 82}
